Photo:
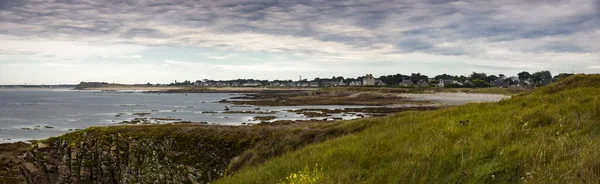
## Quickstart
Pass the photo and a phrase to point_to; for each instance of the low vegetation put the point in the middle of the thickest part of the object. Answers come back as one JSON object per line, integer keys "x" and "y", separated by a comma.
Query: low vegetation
{"x": 546, "y": 136}
{"x": 495, "y": 90}
{"x": 264, "y": 118}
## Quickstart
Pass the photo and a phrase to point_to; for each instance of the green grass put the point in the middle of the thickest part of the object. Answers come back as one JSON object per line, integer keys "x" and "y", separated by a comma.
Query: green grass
{"x": 496, "y": 90}
{"x": 551, "y": 135}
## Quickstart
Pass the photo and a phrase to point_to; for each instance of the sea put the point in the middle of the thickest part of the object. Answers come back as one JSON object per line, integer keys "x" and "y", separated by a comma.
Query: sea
{"x": 33, "y": 114}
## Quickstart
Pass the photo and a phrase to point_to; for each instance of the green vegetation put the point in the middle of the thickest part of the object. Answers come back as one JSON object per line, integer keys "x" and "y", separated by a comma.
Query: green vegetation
{"x": 546, "y": 136}
{"x": 495, "y": 90}
{"x": 264, "y": 118}
{"x": 84, "y": 85}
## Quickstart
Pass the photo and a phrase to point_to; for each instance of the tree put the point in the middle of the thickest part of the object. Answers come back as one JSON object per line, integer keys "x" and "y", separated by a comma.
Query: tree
{"x": 501, "y": 76}
{"x": 509, "y": 81}
{"x": 462, "y": 78}
{"x": 523, "y": 76}
{"x": 540, "y": 76}
{"x": 478, "y": 83}
{"x": 416, "y": 77}
{"x": 479, "y": 76}
{"x": 443, "y": 76}
{"x": 491, "y": 78}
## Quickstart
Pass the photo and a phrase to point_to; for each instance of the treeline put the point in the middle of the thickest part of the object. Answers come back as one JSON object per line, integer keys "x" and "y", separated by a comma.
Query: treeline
{"x": 475, "y": 79}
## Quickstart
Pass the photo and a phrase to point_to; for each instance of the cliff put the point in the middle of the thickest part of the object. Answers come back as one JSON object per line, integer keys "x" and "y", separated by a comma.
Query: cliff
{"x": 186, "y": 153}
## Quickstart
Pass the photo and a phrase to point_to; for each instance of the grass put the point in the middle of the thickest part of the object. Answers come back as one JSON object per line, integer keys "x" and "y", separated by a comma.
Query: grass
{"x": 496, "y": 90}
{"x": 546, "y": 136}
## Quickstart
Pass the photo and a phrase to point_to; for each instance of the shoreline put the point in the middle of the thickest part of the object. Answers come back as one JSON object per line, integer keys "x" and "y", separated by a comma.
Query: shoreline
{"x": 195, "y": 89}
{"x": 290, "y": 97}
{"x": 382, "y": 104}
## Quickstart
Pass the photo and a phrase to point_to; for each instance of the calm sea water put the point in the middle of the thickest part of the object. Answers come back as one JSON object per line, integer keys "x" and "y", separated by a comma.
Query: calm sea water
{"x": 24, "y": 113}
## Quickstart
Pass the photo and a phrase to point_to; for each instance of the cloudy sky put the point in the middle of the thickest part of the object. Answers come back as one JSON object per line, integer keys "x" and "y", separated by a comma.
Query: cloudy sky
{"x": 139, "y": 41}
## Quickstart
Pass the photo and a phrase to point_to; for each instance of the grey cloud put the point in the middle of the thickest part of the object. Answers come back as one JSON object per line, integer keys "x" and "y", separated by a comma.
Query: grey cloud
{"x": 560, "y": 47}
{"x": 414, "y": 45}
{"x": 412, "y": 26}
{"x": 141, "y": 32}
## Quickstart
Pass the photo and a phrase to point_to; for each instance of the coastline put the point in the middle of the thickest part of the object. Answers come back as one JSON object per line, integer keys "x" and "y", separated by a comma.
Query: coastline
{"x": 383, "y": 104}
{"x": 194, "y": 89}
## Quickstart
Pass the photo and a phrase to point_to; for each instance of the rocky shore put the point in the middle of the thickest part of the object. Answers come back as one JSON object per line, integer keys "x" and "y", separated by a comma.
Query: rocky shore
{"x": 178, "y": 153}
{"x": 322, "y": 97}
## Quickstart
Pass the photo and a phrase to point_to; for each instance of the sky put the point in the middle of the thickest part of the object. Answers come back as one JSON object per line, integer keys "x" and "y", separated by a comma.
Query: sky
{"x": 140, "y": 41}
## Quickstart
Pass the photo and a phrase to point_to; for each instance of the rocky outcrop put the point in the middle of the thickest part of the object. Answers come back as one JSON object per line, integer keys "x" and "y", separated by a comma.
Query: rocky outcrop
{"x": 177, "y": 153}
{"x": 10, "y": 161}
{"x": 96, "y": 157}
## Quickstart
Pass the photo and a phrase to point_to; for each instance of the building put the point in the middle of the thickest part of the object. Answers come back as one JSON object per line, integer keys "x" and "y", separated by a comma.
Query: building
{"x": 341, "y": 83}
{"x": 314, "y": 84}
{"x": 406, "y": 83}
{"x": 356, "y": 83}
{"x": 445, "y": 82}
{"x": 423, "y": 83}
{"x": 369, "y": 80}
{"x": 252, "y": 84}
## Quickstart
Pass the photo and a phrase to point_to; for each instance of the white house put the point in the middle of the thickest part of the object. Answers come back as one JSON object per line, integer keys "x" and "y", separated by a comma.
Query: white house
{"x": 369, "y": 80}
{"x": 249, "y": 84}
{"x": 355, "y": 83}
{"x": 445, "y": 82}
{"x": 340, "y": 83}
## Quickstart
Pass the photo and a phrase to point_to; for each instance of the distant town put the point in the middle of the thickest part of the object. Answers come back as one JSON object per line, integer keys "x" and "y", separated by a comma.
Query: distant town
{"x": 475, "y": 80}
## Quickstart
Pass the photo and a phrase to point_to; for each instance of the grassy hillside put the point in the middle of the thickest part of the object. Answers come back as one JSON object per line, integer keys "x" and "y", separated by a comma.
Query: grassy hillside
{"x": 549, "y": 135}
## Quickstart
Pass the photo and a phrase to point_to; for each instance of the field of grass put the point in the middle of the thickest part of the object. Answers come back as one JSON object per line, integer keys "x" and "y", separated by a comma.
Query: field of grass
{"x": 551, "y": 135}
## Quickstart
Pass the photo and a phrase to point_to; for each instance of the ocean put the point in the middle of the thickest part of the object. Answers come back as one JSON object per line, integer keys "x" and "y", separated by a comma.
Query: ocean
{"x": 32, "y": 114}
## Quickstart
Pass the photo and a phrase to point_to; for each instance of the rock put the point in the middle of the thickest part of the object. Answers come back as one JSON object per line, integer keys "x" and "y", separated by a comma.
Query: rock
{"x": 41, "y": 145}
{"x": 30, "y": 167}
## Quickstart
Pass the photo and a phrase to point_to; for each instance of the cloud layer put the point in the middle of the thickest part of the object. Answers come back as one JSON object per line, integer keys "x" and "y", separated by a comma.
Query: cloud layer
{"x": 319, "y": 38}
